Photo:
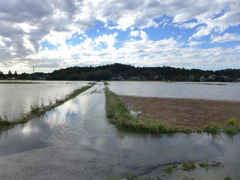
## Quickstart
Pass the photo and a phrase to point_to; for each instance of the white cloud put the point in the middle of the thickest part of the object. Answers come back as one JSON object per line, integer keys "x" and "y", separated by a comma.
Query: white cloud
{"x": 194, "y": 43}
{"x": 219, "y": 24}
{"x": 137, "y": 52}
{"x": 142, "y": 34}
{"x": 227, "y": 37}
{"x": 25, "y": 24}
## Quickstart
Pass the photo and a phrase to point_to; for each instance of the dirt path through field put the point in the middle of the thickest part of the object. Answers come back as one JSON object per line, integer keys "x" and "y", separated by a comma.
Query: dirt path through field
{"x": 191, "y": 113}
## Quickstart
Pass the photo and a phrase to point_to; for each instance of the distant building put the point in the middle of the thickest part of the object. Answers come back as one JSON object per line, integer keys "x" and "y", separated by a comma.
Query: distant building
{"x": 120, "y": 78}
{"x": 135, "y": 78}
{"x": 225, "y": 77}
{"x": 212, "y": 77}
{"x": 191, "y": 77}
{"x": 202, "y": 79}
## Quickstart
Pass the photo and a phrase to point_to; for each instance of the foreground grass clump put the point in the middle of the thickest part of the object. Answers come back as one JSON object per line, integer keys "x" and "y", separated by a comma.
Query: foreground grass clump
{"x": 232, "y": 126}
{"x": 176, "y": 168}
{"x": 169, "y": 170}
{"x": 188, "y": 166}
{"x": 213, "y": 129}
{"x": 37, "y": 111}
{"x": 120, "y": 115}
{"x": 4, "y": 122}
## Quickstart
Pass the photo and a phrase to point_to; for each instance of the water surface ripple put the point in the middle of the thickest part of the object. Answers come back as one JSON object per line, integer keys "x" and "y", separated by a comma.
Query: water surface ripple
{"x": 207, "y": 90}
{"x": 76, "y": 141}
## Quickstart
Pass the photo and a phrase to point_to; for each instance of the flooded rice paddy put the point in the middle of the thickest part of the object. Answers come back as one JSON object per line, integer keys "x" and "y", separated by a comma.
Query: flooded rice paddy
{"x": 76, "y": 141}
{"x": 201, "y": 90}
{"x": 17, "y": 99}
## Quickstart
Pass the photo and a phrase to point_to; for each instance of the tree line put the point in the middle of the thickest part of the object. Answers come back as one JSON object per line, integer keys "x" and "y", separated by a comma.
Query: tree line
{"x": 127, "y": 72}
{"x": 15, "y": 75}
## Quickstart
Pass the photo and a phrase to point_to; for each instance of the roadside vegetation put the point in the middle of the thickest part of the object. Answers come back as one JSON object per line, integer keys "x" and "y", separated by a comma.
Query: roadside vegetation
{"x": 37, "y": 111}
{"x": 120, "y": 115}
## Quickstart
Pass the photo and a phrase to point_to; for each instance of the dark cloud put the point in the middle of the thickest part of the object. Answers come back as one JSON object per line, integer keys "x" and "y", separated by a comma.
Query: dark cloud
{"x": 25, "y": 10}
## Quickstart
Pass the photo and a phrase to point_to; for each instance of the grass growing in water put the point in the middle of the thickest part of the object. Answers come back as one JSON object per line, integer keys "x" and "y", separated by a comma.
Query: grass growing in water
{"x": 227, "y": 178}
{"x": 204, "y": 164}
{"x": 120, "y": 115}
{"x": 213, "y": 129}
{"x": 232, "y": 126}
{"x": 169, "y": 170}
{"x": 188, "y": 166}
{"x": 106, "y": 83}
{"x": 37, "y": 111}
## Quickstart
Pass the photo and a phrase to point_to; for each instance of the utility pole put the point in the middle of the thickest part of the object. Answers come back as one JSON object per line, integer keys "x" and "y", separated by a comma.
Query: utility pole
{"x": 33, "y": 74}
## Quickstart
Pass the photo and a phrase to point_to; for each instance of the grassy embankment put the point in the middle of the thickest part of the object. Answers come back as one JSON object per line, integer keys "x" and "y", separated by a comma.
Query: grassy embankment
{"x": 37, "y": 111}
{"x": 120, "y": 115}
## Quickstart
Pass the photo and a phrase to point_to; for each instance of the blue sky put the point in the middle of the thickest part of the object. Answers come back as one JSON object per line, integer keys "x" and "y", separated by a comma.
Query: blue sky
{"x": 54, "y": 34}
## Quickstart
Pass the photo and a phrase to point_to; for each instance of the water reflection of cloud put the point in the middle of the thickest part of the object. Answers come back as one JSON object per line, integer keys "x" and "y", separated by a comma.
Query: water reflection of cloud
{"x": 76, "y": 107}
{"x": 29, "y": 129}
{"x": 30, "y": 94}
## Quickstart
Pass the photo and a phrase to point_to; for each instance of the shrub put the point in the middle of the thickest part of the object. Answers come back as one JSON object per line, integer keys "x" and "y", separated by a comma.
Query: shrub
{"x": 213, "y": 129}
{"x": 232, "y": 126}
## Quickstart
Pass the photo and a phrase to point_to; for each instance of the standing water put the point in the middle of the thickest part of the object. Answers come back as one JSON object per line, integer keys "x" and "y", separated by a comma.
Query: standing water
{"x": 203, "y": 90}
{"x": 17, "y": 97}
{"x": 76, "y": 141}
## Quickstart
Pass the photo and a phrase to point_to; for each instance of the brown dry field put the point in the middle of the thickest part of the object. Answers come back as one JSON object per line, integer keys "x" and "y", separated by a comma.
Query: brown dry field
{"x": 192, "y": 113}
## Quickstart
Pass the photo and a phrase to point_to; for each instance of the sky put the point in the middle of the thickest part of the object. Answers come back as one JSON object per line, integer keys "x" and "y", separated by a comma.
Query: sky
{"x": 55, "y": 34}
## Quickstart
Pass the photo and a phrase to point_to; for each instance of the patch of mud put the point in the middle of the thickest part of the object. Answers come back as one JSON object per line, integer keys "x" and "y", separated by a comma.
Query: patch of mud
{"x": 193, "y": 113}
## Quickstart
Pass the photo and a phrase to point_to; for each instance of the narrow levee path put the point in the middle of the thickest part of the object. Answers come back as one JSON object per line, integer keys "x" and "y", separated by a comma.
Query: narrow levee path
{"x": 76, "y": 141}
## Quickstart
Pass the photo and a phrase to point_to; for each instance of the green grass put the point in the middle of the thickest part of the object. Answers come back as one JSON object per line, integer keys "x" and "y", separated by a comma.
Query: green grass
{"x": 120, "y": 115}
{"x": 203, "y": 164}
{"x": 169, "y": 170}
{"x": 106, "y": 83}
{"x": 4, "y": 122}
{"x": 212, "y": 129}
{"x": 37, "y": 111}
{"x": 227, "y": 178}
{"x": 173, "y": 168}
{"x": 188, "y": 166}
{"x": 232, "y": 126}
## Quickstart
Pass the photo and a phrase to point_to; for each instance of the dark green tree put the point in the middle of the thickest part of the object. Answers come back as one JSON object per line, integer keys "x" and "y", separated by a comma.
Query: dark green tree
{"x": 15, "y": 75}
{"x": 10, "y": 75}
{"x": 1, "y": 75}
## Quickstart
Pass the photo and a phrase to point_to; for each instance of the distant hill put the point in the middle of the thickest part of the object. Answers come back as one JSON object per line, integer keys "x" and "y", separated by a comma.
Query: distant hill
{"x": 127, "y": 72}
